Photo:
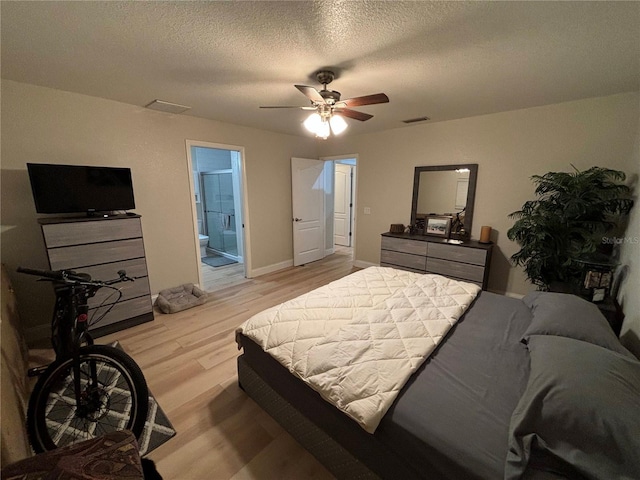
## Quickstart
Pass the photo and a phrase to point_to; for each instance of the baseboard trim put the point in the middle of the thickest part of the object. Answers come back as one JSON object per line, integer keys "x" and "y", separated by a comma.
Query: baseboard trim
{"x": 269, "y": 269}
{"x": 121, "y": 325}
{"x": 289, "y": 263}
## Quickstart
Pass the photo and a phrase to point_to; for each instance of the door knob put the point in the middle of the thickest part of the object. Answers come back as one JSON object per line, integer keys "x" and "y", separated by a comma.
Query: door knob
{"x": 297, "y": 219}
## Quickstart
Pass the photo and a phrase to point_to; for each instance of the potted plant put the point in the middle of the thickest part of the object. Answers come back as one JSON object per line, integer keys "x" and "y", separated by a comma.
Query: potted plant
{"x": 567, "y": 223}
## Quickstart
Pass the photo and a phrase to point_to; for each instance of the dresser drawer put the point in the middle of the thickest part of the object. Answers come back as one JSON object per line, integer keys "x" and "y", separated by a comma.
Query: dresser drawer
{"x": 122, "y": 311}
{"x": 108, "y": 271}
{"x": 136, "y": 267}
{"x": 468, "y": 261}
{"x": 459, "y": 270}
{"x": 414, "y": 262}
{"x": 83, "y": 255}
{"x": 107, "y": 296}
{"x": 400, "y": 267}
{"x": 414, "y": 247}
{"x": 101, "y": 247}
{"x": 476, "y": 256}
{"x": 78, "y": 233}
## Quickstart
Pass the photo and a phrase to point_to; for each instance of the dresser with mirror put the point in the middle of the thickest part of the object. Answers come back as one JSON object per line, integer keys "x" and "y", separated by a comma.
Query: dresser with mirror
{"x": 441, "y": 219}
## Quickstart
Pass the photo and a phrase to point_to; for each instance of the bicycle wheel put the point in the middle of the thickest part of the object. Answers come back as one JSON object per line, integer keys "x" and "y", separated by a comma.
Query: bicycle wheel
{"x": 117, "y": 399}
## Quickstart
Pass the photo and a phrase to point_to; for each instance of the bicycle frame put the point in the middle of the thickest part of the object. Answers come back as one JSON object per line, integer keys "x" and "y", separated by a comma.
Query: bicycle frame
{"x": 69, "y": 331}
{"x": 86, "y": 369}
{"x": 70, "y": 322}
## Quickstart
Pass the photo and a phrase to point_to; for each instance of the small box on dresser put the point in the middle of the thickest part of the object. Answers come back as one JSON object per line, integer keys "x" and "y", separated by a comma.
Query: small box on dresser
{"x": 101, "y": 246}
{"x": 468, "y": 261}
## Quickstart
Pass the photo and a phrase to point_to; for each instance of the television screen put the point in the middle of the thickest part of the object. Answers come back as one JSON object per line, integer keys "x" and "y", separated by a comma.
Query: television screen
{"x": 79, "y": 188}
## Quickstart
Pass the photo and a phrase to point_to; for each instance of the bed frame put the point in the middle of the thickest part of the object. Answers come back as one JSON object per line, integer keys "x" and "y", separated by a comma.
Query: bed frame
{"x": 328, "y": 451}
{"x": 342, "y": 446}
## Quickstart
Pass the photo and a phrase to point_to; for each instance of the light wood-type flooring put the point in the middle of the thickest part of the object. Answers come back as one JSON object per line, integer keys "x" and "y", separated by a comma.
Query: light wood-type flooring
{"x": 189, "y": 361}
{"x": 218, "y": 278}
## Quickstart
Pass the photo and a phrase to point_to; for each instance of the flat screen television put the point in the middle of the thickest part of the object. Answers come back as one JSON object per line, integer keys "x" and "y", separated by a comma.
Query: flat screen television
{"x": 80, "y": 188}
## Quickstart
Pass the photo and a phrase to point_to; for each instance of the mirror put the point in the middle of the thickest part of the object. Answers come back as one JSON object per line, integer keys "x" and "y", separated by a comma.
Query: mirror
{"x": 445, "y": 190}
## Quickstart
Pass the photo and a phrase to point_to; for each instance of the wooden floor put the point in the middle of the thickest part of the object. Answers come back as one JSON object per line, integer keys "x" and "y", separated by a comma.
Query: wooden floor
{"x": 189, "y": 361}
{"x": 218, "y": 278}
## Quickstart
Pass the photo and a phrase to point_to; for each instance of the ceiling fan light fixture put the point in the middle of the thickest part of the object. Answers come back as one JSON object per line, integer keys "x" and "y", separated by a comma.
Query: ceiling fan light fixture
{"x": 338, "y": 124}
{"x": 318, "y": 125}
{"x": 323, "y": 130}
{"x": 312, "y": 123}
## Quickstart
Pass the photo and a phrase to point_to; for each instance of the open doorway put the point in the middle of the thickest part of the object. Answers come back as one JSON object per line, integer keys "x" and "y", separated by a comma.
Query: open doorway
{"x": 344, "y": 207}
{"x": 314, "y": 219}
{"x": 216, "y": 172}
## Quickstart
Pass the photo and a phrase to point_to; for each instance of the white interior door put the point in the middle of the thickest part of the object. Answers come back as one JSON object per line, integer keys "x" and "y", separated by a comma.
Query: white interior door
{"x": 307, "y": 192}
{"x": 342, "y": 205}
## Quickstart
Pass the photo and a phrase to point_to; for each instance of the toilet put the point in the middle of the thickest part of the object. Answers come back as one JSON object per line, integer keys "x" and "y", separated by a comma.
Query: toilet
{"x": 203, "y": 245}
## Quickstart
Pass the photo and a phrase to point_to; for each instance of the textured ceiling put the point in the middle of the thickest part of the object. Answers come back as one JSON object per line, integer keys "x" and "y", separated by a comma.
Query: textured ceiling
{"x": 444, "y": 60}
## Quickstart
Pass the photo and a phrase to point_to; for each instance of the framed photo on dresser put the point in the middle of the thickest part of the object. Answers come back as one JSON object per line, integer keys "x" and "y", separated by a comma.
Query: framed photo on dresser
{"x": 438, "y": 225}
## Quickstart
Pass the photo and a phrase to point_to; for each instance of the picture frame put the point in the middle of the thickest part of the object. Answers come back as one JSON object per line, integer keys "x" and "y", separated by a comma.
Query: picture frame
{"x": 438, "y": 226}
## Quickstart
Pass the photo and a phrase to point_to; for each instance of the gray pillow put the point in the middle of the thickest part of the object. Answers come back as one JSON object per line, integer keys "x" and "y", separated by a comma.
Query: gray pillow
{"x": 567, "y": 315}
{"x": 580, "y": 411}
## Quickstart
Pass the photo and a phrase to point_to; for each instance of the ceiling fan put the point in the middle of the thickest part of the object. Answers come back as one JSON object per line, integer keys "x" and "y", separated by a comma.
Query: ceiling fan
{"x": 329, "y": 110}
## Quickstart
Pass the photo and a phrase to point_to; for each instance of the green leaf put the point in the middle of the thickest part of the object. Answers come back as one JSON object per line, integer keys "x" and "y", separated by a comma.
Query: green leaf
{"x": 567, "y": 220}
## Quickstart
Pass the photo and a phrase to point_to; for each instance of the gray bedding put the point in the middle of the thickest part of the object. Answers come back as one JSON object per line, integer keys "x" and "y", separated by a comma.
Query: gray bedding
{"x": 452, "y": 419}
{"x": 537, "y": 388}
{"x": 460, "y": 403}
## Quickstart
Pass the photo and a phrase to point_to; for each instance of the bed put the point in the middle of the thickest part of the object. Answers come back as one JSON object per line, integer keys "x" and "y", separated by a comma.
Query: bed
{"x": 502, "y": 395}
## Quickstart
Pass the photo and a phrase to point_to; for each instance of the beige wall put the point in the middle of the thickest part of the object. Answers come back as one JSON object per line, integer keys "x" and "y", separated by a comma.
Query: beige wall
{"x": 509, "y": 148}
{"x": 629, "y": 295}
{"x": 45, "y": 125}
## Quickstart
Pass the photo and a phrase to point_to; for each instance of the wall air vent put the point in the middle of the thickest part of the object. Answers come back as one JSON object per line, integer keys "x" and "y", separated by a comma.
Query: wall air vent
{"x": 415, "y": 120}
{"x": 167, "y": 107}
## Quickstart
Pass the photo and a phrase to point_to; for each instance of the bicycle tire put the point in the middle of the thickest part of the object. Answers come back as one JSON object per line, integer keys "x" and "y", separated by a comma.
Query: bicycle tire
{"x": 53, "y": 418}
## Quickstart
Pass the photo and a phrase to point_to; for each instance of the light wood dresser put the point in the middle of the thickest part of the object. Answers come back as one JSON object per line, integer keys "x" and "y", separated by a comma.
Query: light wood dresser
{"x": 469, "y": 261}
{"x": 101, "y": 247}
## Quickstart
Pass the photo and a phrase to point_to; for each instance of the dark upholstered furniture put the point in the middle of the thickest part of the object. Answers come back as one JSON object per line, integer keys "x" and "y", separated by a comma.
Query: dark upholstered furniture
{"x": 112, "y": 456}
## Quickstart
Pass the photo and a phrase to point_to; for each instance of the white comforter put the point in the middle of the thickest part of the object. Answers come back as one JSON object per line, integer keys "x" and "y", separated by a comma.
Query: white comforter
{"x": 357, "y": 340}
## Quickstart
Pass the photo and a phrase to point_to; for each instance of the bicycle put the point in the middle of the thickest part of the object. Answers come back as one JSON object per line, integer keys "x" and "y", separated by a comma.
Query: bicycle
{"x": 89, "y": 389}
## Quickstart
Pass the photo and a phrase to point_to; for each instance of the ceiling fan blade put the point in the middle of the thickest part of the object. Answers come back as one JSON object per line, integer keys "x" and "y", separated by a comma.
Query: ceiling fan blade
{"x": 353, "y": 114}
{"x": 311, "y": 93}
{"x": 366, "y": 100}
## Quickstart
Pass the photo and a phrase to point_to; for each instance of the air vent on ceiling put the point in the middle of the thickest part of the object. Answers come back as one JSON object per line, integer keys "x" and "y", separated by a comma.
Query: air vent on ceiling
{"x": 167, "y": 107}
{"x": 414, "y": 120}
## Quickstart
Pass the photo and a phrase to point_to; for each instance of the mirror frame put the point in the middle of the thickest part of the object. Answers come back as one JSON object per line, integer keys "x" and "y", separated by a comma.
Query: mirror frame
{"x": 471, "y": 192}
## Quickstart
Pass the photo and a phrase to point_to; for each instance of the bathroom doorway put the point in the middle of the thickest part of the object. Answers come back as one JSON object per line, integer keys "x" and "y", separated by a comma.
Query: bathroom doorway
{"x": 218, "y": 206}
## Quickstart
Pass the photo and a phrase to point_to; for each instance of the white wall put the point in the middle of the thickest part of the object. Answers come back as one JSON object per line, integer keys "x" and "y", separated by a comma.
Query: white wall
{"x": 509, "y": 148}
{"x": 46, "y": 125}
